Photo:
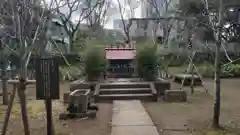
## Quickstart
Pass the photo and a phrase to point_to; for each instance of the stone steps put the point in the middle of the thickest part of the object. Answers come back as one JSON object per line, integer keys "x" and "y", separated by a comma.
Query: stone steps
{"x": 107, "y": 92}
{"x": 125, "y": 91}
{"x": 123, "y": 85}
{"x": 111, "y": 97}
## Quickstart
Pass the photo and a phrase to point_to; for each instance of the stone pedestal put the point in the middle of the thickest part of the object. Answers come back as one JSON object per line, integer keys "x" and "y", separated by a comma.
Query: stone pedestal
{"x": 79, "y": 100}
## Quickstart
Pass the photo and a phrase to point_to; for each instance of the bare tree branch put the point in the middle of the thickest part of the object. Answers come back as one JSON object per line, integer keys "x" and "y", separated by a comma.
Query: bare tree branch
{"x": 98, "y": 17}
{"x": 126, "y": 25}
{"x": 83, "y": 9}
{"x": 166, "y": 22}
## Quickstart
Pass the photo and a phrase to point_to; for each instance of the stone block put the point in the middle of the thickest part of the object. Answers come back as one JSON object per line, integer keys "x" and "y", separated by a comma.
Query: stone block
{"x": 79, "y": 99}
{"x": 66, "y": 97}
{"x": 175, "y": 96}
{"x": 88, "y": 114}
{"x": 161, "y": 86}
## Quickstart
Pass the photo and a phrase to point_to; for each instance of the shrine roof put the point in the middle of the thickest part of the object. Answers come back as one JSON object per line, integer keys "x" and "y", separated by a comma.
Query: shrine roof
{"x": 120, "y": 53}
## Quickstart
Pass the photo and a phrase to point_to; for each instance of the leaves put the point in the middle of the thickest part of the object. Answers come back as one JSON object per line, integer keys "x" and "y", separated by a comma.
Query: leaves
{"x": 147, "y": 62}
{"x": 94, "y": 62}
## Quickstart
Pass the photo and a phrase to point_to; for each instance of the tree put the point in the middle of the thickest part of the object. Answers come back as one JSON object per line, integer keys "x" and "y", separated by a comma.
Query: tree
{"x": 22, "y": 22}
{"x": 232, "y": 25}
{"x": 216, "y": 111}
{"x": 210, "y": 14}
{"x": 162, "y": 17}
{"x": 83, "y": 9}
{"x": 126, "y": 24}
{"x": 98, "y": 18}
{"x": 25, "y": 25}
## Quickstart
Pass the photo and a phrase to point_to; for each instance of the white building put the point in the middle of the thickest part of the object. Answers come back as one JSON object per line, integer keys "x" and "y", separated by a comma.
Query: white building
{"x": 57, "y": 33}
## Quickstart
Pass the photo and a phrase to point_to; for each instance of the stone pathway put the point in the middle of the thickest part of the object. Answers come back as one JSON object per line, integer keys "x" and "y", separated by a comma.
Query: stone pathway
{"x": 130, "y": 118}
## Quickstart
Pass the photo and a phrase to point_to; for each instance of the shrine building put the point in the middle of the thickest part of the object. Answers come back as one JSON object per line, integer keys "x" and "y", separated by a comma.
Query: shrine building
{"x": 120, "y": 59}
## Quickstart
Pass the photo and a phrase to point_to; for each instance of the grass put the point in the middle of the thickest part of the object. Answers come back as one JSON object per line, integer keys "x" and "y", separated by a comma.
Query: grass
{"x": 175, "y": 70}
{"x": 214, "y": 132}
{"x": 181, "y": 69}
{"x": 35, "y": 108}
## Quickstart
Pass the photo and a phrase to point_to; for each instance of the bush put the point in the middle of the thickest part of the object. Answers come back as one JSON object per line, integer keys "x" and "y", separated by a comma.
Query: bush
{"x": 94, "y": 62}
{"x": 147, "y": 63}
{"x": 231, "y": 70}
{"x": 71, "y": 73}
{"x": 227, "y": 71}
{"x": 206, "y": 69}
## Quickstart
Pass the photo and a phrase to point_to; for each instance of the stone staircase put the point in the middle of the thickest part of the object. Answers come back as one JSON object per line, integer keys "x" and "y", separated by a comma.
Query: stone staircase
{"x": 107, "y": 92}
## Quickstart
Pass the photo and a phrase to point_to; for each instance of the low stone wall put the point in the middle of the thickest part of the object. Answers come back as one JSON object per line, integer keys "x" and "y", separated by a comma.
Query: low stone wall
{"x": 175, "y": 96}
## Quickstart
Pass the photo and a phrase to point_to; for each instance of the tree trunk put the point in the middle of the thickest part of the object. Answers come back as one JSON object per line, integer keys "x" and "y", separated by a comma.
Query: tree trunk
{"x": 192, "y": 78}
{"x": 4, "y": 86}
{"x": 4, "y": 77}
{"x": 70, "y": 48}
{"x": 9, "y": 109}
{"x": 23, "y": 105}
{"x": 216, "y": 113}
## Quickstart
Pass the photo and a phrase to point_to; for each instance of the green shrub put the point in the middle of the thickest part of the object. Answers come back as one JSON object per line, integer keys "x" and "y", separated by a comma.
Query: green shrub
{"x": 71, "y": 73}
{"x": 94, "y": 62}
{"x": 231, "y": 70}
{"x": 237, "y": 69}
{"x": 206, "y": 69}
{"x": 147, "y": 62}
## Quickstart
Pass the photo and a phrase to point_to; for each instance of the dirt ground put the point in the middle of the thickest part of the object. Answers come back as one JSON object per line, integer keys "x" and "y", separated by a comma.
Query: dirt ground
{"x": 190, "y": 118}
{"x": 194, "y": 117}
{"x": 37, "y": 117}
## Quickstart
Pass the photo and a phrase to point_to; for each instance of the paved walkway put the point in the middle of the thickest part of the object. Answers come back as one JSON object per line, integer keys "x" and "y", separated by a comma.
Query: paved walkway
{"x": 130, "y": 118}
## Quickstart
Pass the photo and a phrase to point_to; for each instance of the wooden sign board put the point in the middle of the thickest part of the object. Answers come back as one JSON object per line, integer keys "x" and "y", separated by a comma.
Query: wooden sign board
{"x": 47, "y": 78}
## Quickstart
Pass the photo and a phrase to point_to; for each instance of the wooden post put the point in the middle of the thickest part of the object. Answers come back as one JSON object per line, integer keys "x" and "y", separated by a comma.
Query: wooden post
{"x": 9, "y": 109}
{"x": 49, "y": 115}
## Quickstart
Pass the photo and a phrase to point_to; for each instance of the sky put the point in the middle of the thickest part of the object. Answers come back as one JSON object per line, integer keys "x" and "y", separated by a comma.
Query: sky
{"x": 113, "y": 13}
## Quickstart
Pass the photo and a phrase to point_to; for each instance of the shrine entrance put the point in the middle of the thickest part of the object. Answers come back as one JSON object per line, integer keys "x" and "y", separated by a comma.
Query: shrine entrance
{"x": 121, "y": 67}
{"x": 120, "y": 61}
